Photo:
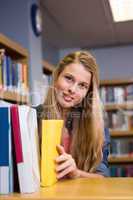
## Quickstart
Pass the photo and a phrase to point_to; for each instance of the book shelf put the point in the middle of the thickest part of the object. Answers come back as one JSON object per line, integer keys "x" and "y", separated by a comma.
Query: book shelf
{"x": 126, "y": 105}
{"x": 17, "y": 54}
{"x": 117, "y": 98}
{"x": 48, "y": 68}
{"x": 121, "y": 159}
{"x": 119, "y": 133}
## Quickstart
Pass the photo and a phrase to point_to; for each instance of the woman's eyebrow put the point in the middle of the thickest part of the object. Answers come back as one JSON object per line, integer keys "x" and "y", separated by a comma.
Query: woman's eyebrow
{"x": 67, "y": 73}
{"x": 84, "y": 82}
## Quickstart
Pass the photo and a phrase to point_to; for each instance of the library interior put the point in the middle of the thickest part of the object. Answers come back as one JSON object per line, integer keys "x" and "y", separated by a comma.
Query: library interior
{"x": 36, "y": 38}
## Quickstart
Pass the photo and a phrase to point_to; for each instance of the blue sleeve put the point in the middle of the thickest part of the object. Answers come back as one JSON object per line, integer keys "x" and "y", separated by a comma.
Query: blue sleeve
{"x": 103, "y": 167}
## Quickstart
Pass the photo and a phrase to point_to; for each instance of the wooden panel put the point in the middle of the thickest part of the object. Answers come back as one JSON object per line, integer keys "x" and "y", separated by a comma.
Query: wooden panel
{"x": 114, "y": 106}
{"x": 117, "y": 133}
{"x": 82, "y": 189}
{"x": 12, "y": 48}
{"x": 12, "y": 96}
{"x": 47, "y": 67}
{"x": 116, "y": 82}
{"x": 121, "y": 159}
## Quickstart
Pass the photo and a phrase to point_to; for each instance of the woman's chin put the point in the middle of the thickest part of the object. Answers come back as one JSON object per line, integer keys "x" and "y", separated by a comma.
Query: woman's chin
{"x": 65, "y": 104}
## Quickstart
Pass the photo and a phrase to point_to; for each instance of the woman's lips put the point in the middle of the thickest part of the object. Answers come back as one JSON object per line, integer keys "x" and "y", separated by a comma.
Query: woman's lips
{"x": 67, "y": 98}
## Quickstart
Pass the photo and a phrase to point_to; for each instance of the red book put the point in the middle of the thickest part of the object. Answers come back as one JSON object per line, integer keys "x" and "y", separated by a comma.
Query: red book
{"x": 16, "y": 134}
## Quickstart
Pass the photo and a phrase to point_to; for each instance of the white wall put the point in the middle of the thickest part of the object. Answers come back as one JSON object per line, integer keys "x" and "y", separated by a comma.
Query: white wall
{"x": 115, "y": 62}
{"x": 13, "y": 20}
{"x": 50, "y": 53}
{"x": 64, "y": 52}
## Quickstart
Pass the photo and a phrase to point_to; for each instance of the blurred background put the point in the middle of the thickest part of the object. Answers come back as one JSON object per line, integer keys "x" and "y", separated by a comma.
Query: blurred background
{"x": 50, "y": 29}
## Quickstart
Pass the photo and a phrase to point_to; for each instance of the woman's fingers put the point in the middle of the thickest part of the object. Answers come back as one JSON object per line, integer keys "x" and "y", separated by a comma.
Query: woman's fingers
{"x": 60, "y": 149}
{"x": 63, "y": 166}
{"x": 63, "y": 158}
{"x": 64, "y": 172}
{"x": 63, "y": 155}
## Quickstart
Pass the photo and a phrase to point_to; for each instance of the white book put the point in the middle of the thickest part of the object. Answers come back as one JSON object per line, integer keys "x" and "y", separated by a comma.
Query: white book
{"x": 119, "y": 94}
{"x": 29, "y": 170}
{"x": 4, "y": 180}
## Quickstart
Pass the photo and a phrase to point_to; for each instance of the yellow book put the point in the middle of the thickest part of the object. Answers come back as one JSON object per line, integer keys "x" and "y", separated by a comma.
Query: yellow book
{"x": 51, "y": 137}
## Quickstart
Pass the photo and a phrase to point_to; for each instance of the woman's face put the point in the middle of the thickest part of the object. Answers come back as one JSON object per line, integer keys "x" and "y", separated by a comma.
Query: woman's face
{"x": 72, "y": 85}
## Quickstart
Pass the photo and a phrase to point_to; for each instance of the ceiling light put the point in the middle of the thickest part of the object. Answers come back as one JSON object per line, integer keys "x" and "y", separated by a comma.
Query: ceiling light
{"x": 122, "y": 10}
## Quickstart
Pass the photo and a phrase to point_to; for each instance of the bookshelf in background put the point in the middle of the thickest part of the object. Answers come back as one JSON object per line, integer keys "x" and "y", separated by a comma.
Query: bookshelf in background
{"x": 47, "y": 69}
{"x": 117, "y": 98}
{"x": 13, "y": 71}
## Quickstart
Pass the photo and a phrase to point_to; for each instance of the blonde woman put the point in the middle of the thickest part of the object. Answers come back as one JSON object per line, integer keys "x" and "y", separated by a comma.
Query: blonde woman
{"x": 74, "y": 97}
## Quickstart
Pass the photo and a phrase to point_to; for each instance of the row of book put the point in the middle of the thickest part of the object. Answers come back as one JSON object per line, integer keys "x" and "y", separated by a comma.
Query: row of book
{"x": 121, "y": 146}
{"x": 119, "y": 120}
{"x": 13, "y": 75}
{"x": 116, "y": 94}
{"x": 121, "y": 171}
{"x": 19, "y": 149}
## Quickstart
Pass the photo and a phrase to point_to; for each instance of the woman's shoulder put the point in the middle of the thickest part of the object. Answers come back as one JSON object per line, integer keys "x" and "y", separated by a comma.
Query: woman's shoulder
{"x": 107, "y": 135}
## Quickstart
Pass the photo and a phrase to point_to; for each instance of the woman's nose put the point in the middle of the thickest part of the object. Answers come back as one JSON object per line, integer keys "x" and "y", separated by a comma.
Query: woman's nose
{"x": 72, "y": 88}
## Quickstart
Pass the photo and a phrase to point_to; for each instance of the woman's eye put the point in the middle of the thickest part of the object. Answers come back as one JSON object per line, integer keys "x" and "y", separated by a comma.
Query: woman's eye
{"x": 69, "y": 78}
{"x": 83, "y": 86}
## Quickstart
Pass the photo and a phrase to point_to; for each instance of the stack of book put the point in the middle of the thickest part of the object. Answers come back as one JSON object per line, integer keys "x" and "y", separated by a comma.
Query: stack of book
{"x": 13, "y": 75}
{"x": 121, "y": 171}
{"x": 121, "y": 147}
{"x": 19, "y": 149}
{"x": 121, "y": 120}
{"x": 116, "y": 94}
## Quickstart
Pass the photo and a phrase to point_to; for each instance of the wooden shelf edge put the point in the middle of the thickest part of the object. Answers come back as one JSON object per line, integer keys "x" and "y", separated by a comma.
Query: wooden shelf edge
{"x": 116, "y": 82}
{"x": 121, "y": 133}
{"x": 5, "y": 41}
{"x": 121, "y": 159}
{"x": 13, "y": 96}
{"x": 114, "y": 106}
{"x": 48, "y": 67}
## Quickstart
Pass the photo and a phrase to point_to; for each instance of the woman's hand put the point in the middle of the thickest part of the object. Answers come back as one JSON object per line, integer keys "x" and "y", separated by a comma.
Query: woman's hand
{"x": 65, "y": 164}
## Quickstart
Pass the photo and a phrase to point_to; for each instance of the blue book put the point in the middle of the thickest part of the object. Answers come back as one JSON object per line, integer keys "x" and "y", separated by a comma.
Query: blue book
{"x": 6, "y": 179}
{"x": 7, "y": 72}
{"x": 4, "y": 64}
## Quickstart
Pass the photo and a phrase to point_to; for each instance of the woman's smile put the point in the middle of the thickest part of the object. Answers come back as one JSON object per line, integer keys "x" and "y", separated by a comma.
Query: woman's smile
{"x": 67, "y": 97}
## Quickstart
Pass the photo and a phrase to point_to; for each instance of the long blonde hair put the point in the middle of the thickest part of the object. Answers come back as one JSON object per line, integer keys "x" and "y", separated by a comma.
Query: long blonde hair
{"x": 88, "y": 139}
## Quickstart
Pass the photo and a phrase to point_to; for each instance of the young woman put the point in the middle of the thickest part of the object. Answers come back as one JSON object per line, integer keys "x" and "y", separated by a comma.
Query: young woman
{"x": 74, "y": 97}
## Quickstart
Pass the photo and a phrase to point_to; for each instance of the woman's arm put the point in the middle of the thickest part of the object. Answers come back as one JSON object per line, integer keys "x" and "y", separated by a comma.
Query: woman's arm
{"x": 103, "y": 167}
{"x": 66, "y": 166}
{"x": 83, "y": 174}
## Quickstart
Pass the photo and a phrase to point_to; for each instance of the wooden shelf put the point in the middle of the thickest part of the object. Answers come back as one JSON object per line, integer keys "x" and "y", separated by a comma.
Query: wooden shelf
{"x": 121, "y": 159}
{"x": 118, "y": 161}
{"x": 12, "y": 48}
{"x": 48, "y": 68}
{"x": 17, "y": 54}
{"x": 116, "y": 82}
{"x": 117, "y": 133}
{"x": 13, "y": 96}
{"x": 114, "y": 106}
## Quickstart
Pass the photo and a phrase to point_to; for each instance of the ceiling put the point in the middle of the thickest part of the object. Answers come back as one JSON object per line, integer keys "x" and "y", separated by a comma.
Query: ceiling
{"x": 83, "y": 23}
